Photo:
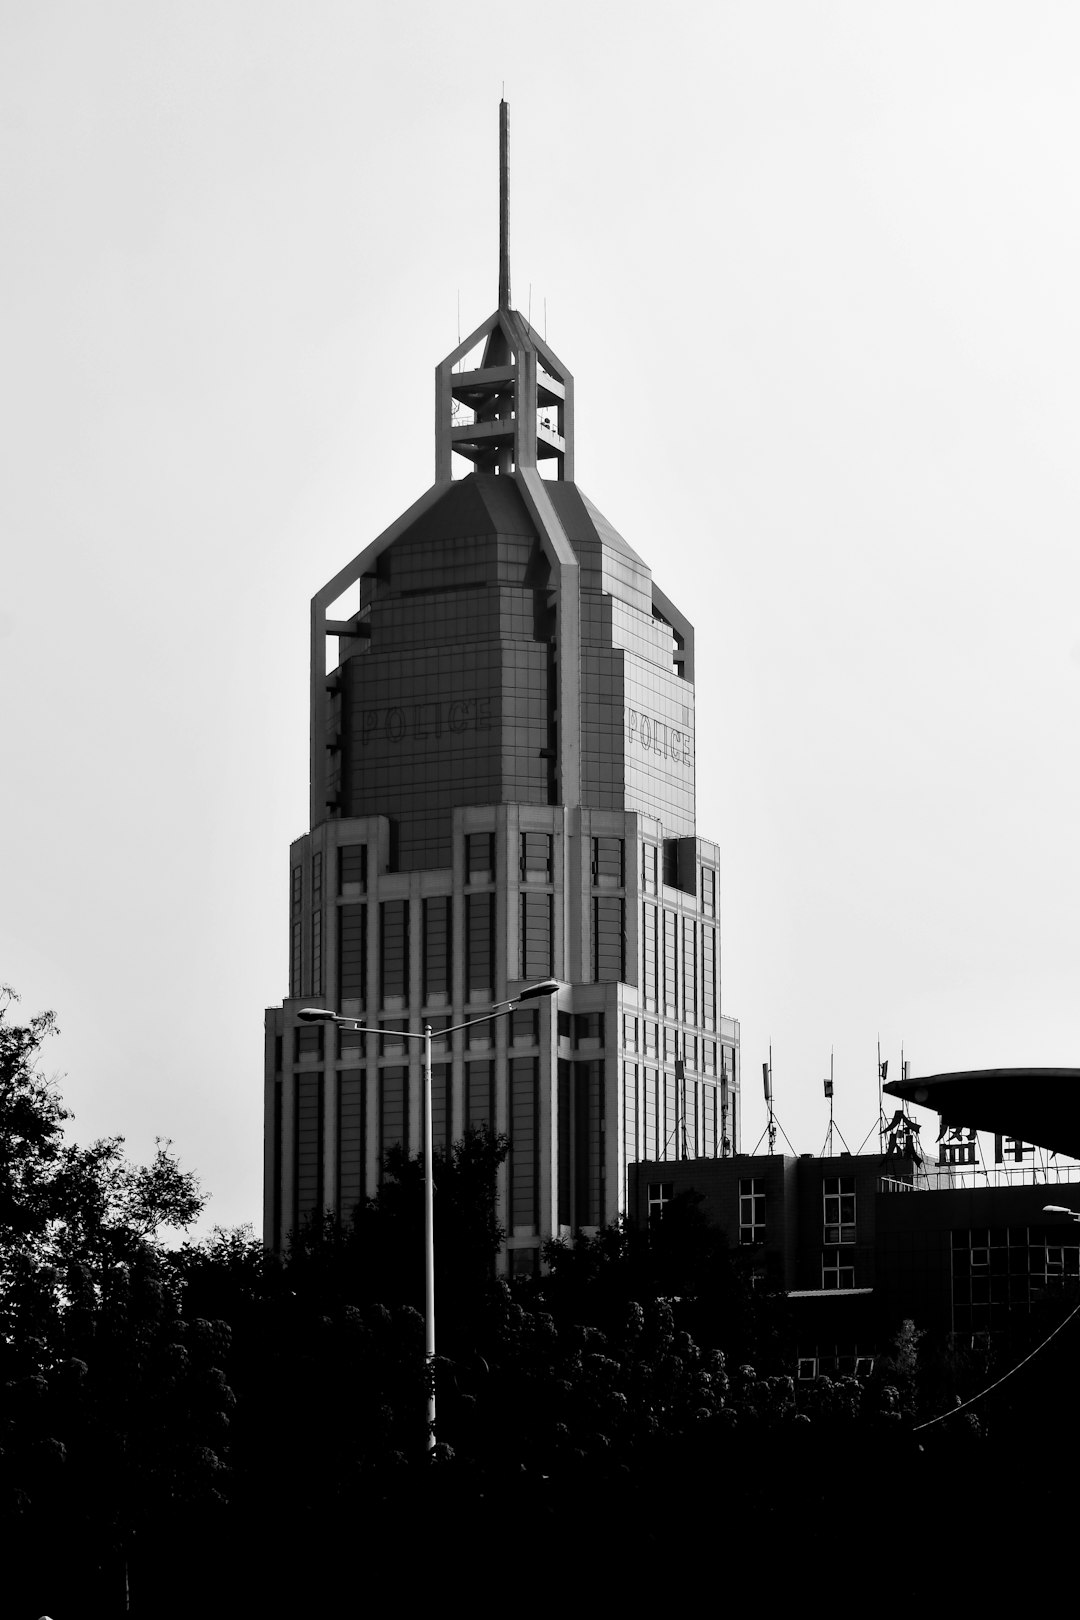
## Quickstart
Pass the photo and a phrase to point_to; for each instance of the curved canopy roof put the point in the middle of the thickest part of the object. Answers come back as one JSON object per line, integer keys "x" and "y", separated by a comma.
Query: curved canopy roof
{"x": 1041, "y": 1106}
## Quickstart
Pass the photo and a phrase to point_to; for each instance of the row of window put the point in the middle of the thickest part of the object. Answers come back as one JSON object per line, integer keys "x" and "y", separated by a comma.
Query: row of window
{"x": 680, "y": 966}
{"x": 536, "y": 942}
{"x": 392, "y": 1097}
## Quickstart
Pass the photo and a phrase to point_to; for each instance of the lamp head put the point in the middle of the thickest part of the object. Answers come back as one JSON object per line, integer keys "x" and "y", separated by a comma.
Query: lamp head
{"x": 532, "y": 992}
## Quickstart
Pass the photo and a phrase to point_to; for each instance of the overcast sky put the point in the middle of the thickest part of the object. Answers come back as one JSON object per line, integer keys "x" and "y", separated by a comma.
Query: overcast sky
{"x": 815, "y": 269}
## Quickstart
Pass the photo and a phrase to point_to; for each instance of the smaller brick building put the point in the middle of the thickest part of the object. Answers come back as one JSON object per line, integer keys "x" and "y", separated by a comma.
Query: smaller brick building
{"x": 859, "y": 1242}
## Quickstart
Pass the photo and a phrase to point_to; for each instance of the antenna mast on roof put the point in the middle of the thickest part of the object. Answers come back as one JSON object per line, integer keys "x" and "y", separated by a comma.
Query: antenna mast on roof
{"x": 504, "y": 205}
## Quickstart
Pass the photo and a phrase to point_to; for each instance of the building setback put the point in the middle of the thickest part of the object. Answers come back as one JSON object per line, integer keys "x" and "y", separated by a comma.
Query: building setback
{"x": 502, "y": 790}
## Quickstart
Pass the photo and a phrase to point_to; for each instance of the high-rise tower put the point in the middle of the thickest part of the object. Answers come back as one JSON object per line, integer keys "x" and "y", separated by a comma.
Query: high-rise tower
{"x": 502, "y": 790}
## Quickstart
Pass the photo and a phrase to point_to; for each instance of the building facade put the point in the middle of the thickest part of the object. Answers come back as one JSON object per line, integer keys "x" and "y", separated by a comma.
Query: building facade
{"x": 860, "y": 1242}
{"x": 502, "y": 791}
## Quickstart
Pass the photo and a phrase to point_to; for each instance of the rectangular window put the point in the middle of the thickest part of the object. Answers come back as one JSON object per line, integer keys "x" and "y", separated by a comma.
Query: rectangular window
{"x": 479, "y": 1094}
{"x": 838, "y": 1210}
{"x": 351, "y": 1045}
{"x": 660, "y": 1195}
{"x": 316, "y": 953}
{"x": 708, "y": 892}
{"x": 652, "y": 1039}
{"x": 352, "y": 870}
{"x": 536, "y": 865}
{"x": 589, "y": 1030}
{"x": 609, "y": 939}
{"x": 524, "y": 1026}
{"x": 296, "y": 892}
{"x": 479, "y": 857}
{"x": 838, "y": 1269}
{"x": 350, "y": 1139}
{"x": 752, "y": 1211}
{"x": 316, "y": 878}
{"x": 352, "y": 957}
{"x": 309, "y": 1145}
{"x": 708, "y": 977}
{"x": 630, "y": 1032}
{"x": 650, "y": 983}
{"x": 588, "y": 1084}
{"x": 650, "y": 1086}
{"x": 671, "y": 964}
{"x": 394, "y": 951}
{"x": 309, "y": 1043}
{"x": 524, "y": 1143}
{"x": 440, "y": 1105}
{"x": 690, "y": 971}
{"x": 479, "y": 947}
{"x": 295, "y": 944}
{"x": 608, "y": 863}
{"x": 648, "y": 869}
{"x": 392, "y": 1042}
{"x": 437, "y": 937}
{"x": 630, "y": 1112}
{"x": 393, "y": 1107}
{"x": 708, "y": 1122}
{"x": 537, "y": 935}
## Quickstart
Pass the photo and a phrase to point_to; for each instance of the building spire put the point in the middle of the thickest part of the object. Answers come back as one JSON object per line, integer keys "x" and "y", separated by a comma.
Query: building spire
{"x": 504, "y": 205}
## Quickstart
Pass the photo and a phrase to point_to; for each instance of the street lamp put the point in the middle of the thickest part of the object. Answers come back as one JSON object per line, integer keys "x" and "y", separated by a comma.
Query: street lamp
{"x": 1061, "y": 1209}
{"x": 322, "y": 1015}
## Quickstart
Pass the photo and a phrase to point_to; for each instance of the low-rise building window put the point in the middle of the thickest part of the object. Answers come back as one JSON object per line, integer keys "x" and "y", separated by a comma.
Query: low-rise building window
{"x": 838, "y": 1209}
{"x": 660, "y": 1194}
{"x": 752, "y": 1211}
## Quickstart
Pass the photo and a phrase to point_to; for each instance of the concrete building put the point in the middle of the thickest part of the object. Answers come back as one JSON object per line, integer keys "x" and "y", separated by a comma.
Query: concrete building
{"x": 859, "y": 1242}
{"x": 502, "y": 789}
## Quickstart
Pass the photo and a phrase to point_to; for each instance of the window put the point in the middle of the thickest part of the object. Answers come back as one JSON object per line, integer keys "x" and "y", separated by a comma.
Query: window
{"x": 708, "y": 892}
{"x": 609, "y": 953}
{"x": 352, "y": 870}
{"x": 316, "y": 879}
{"x": 838, "y": 1269}
{"x": 708, "y": 977}
{"x": 752, "y": 1211}
{"x": 649, "y": 957}
{"x": 535, "y": 857}
{"x": 589, "y": 1030}
{"x": 690, "y": 973}
{"x": 352, "y": 958}
{"x": 660, "y": 1195}
{"x": 537, "y": 935}
{"x": 309, "y": 1043}
{"x": 524, "y": 1026}
{"x": 671, "y": 964}
{"x": 607, "y": 863}
{"x": 479, "y": 857}
{"x": 480, "y": 946}
{"x": 294, "y": 960}
{"x": 838, "y": 1212}
{"x": 394, "y": 951}
{"x": 316, "y": 953}
{"x": 648, "y": 868}
{"x": 437, "y": 936}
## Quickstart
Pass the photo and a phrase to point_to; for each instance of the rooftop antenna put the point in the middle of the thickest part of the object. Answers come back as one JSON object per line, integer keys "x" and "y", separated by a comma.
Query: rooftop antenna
{"x": 766, "y": 1070}
{"x": 827, "y": 1150}
{"x": 774, "y": 1124}
{"x": 504, "y": 203}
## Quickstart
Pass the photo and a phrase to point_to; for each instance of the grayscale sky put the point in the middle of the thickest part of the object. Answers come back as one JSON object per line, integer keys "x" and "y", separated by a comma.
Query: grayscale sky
{"x": 815, "y": 269}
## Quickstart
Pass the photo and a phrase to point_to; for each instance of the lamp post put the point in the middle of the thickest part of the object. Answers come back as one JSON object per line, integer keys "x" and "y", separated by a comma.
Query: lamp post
{"x": 323, "y": 1015}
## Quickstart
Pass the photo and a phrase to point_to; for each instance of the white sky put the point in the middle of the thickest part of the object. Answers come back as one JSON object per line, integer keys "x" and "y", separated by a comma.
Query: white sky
{"x": 815, "y": 269}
